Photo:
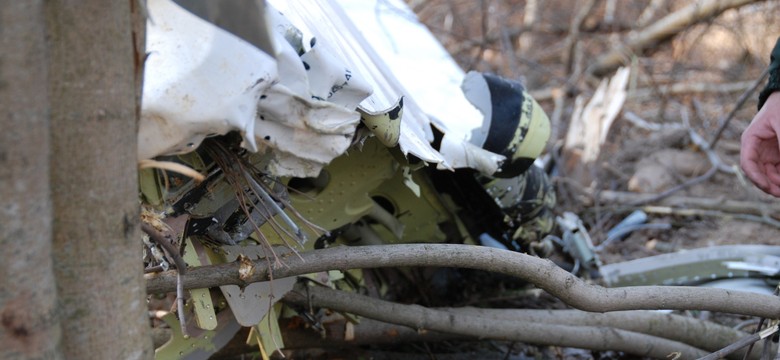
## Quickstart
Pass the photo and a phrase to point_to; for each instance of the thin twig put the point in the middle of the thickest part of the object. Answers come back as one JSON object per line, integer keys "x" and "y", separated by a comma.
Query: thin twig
{"x": 418, "y": 317}
{"x": 717, "y": 164}
{"x": 713, "y": 213}
{"x": 766, "y": 351}
{"x": 663, "y": 30}
{"x": 699, "y": 141}
{"x": 677, "y": 188}
{"x": 181, "y": 269}
{"x": 742, "y": 99}
{"x": 761, "y": 321}
{"x": 570, "y": 43}
{"x": 745, "y": 341}
{"x": 758, "y": 328}
{"x": 159, "y": 239}
{"x": 727, "y": 206}
{"x": 680, "y": 328}
{"x": 686, "y": 88}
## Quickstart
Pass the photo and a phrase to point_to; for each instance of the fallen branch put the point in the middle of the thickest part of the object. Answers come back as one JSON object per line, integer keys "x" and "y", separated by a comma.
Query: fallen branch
{"x": 341, "y": 333}
{"x": 669, "y": 326}
{"x": 689, "y": 88}
{"x": 540, "y": 272}
{"x": 686, "y": 206}
{"x": 570, "y": 42}
{"x": 662, "y": 90}
{"x": 649, "y": 12}
{"x": 726, "y": 206}
{"x": 711, "y": 213}
{"x": 418, "y": 317}
{"x": 639, "y": 122}
{"x": 688, "y": 183}
{"x": 662, "y": 30}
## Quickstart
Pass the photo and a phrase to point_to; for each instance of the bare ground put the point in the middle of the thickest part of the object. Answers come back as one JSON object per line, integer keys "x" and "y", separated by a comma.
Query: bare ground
{"x": 497, "y": 36}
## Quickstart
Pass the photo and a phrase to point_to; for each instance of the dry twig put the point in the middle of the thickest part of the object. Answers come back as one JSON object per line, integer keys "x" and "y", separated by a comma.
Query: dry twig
{"x": 685, "y": 202}
{"x": 181, "y": 269}
{"x": 747, "y": 340}
{"x": 741, "y": 101}
{"x": 662, "y": 30}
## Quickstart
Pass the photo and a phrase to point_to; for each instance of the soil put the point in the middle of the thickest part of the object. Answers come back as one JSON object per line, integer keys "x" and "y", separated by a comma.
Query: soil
{"x": 731, "y": 48}
{"x": 728, "y": 49}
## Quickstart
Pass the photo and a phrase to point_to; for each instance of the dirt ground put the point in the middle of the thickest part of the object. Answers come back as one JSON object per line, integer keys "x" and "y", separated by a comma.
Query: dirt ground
{"x": 720, "y": 58}
{"x": 731, "y": 48}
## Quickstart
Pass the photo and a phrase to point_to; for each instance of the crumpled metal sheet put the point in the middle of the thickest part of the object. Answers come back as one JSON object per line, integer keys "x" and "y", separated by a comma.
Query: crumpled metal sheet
{"x": 202, "y": 81}
{"x": 339, "y": 36}
{"x": 198, "y": 346}
{"x": 199, "y": 80}
{"x": 694, "y": 266}
{"x": 425, "y": 71}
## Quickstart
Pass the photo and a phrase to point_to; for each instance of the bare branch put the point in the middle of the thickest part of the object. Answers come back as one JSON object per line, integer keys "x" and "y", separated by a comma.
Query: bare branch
{"x": 370, "y": 331}
{"x": 662, "y": 90}
{"x": 664, "y": 29}
{"x": 746, "y": 341}
{"x": 525, "y": 41}
{"x": 570, "y": 42}
{"x": 730, "y": 206}
{"x": 684, "y": 88}
{"x": 668, "y": 326}
{"x": 540, "y": 272}
{"x": 649, "y": 12}
{"x": 741, "y": 101}
{"x": 418, "y": 317}
{"x": 339, "y": 333}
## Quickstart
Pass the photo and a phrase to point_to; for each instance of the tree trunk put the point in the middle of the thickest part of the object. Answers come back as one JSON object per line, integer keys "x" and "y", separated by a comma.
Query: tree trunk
{"x": 93, "y": 71}
{"x": 29, "y": 328}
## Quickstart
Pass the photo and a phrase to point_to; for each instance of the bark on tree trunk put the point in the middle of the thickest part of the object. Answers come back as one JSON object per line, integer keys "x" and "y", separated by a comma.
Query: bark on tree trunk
{"x": 29, "y": 328}
{"x": 93, "y": 68}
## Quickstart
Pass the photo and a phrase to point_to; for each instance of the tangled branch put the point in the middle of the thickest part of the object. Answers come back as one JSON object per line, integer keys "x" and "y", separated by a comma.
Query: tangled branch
{"x": 584, "y": 337}
{"x": 540, "y": 272}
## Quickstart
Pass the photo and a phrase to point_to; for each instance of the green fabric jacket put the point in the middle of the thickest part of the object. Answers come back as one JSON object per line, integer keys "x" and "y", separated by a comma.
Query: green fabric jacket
{"x": 774, "y": 76}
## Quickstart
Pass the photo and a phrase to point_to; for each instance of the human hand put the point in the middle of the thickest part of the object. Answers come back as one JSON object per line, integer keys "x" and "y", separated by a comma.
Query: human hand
{"x": 760, "y": 149}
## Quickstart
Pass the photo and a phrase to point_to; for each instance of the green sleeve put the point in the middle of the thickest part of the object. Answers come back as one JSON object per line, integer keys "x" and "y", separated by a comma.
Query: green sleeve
{"x": 774, "y": 76}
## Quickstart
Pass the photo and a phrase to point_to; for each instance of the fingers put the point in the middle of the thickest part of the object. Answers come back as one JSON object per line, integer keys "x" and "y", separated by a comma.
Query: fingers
{"x": 765, "y": 175}
{"x": 760, "y": 155}
{"x": 772, "y": 189}
{"x": 748, "y": 159}
{"x": 772, "y": 179}
{"x": 752, "y": 170}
